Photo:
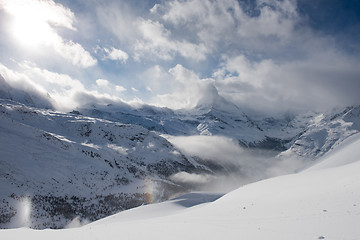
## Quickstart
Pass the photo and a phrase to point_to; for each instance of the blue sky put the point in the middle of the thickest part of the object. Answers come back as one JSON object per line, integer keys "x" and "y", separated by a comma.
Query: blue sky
{"x": 272, "y": 55}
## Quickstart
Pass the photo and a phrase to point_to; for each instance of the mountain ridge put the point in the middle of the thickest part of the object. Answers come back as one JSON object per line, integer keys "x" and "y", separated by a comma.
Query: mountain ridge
{"x": 121, "y": 152}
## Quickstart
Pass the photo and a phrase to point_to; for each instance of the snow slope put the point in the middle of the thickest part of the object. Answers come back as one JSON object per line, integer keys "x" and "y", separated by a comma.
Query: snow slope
{"x": 70, "y": 165}
{"x": 323, "y": 132}
{"x": 24, "y": 93}
{"x": 320, "y": 203}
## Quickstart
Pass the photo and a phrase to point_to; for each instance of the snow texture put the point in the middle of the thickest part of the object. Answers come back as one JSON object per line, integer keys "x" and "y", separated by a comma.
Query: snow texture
{"x": 321, "y": 203}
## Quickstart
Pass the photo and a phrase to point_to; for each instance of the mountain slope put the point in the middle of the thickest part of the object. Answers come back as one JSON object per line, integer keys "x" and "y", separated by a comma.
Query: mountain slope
{"x": 323, "y": 132}
{"x": 69, "y": 165}
{"x": 79, "y": 165}
{"x": 26, "y": 94}
{"x": 320, "y": 203}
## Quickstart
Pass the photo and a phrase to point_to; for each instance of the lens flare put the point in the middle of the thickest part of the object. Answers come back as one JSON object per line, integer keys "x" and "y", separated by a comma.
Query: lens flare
{"x": 23, "y": 216}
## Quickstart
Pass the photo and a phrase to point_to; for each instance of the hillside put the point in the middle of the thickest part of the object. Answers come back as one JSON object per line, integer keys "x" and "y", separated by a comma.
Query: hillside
{"x": 101, "y": 159}
{"x": 70, "y": 165}
{"x": 320, "y": 203}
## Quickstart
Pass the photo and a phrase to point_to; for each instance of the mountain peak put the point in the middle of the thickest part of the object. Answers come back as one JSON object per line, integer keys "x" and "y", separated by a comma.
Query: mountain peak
{"x": 211, "y": 100}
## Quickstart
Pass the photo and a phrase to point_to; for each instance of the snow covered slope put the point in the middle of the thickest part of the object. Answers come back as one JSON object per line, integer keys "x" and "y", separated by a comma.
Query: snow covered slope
{"x": 323, "y": 132}
{"x": 305, "y": 136}
{"x": 321, "y": 203}
{"x": 24, "y": 93}
{"x": 68, "y": 165}
{"x": 78, "y": 165}
{"x": 213, "y": 115}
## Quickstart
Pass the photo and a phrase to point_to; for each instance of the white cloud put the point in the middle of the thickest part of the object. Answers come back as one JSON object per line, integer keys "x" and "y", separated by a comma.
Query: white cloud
{"x": 119, "y": 88}
{"x": 194, "y": 29}
{"x": 116, "y": 54}
{"x": 259, "y": 57}
{"x": 239, "y": 165}
{"x": 74, "y": 52}
{"x": 66, "y": 92}
{"x": 294, "y": 85}
{"x": 134, "y": 89}
{"x": 108, "y": 87}
{"x": 223, "y": 24}
{"x": 187, "y": 89}
{"x": 191, "y": 178}
{"x": 156, "y": 40}
{"x": 119, "y": 18}
{"x": 41, "y": 11}
{"x": 50, "y": 80}
{"x": 22, "y": 86}
{"x": 157, "y": 79}
{"x": 34, "y": 25}
{"x": 147, "y": 38}
{"x": 102, "y": 83}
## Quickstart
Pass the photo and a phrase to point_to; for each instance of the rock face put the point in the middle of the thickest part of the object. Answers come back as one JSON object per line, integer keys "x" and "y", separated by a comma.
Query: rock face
{"x": 69, "y": 166}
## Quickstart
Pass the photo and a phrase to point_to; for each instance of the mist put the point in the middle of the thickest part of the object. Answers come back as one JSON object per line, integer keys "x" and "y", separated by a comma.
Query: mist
{"x": 232, "y": 165}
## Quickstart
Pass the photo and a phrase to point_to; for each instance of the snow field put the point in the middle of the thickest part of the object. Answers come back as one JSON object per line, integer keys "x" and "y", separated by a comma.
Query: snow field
{"x": 320, "y": 203}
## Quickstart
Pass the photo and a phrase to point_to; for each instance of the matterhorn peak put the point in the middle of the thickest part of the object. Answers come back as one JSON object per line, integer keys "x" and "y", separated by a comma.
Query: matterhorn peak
{"x": 212, "y": 100}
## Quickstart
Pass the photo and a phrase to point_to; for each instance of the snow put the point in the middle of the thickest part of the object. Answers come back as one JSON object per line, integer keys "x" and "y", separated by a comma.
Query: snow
{"x": 48, "y": 154}
{"x": 58, "y": 159}
{"x": 322, "y": 202}
{"x": 333, "y": 158}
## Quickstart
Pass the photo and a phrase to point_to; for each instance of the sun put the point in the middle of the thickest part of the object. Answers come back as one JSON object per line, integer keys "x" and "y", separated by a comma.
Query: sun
{"x": 29, "y": 25}
{"x": 31, "y": 33}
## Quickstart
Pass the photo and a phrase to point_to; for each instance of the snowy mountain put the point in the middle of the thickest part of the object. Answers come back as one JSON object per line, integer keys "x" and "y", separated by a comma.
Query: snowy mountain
{"x": 70, "y": 165}
{"x": 308, "y": 135}
{"x": 24, "y": 94}
{"x": 213, "y": 118}
{"x": 323, "y": 132}
{"x": 319, "y": 203}
{"x": 102, "y": 159}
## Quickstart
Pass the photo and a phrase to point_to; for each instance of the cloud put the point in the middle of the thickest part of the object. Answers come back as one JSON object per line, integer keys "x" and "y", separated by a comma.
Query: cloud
{"x": 233, "y": 165}
{"x": 157, "y": 79}
{"x": 74, "y": 52}
{"x": 270, "y": 60}
{"x": 119, "y": 18}
{"x": 156, "y": 40}
{"x": 106, "y": 86}
{"x": 262, "y": 55}
{"x": 49, "y": 11}
{"x": 102, "y": 83}
{"x": 116, "y": 55}
{"x": 66, "y": 92}
{"x": 224, "y": 26}
{"x": 35, "y": 25}
{"x": 134, "y": 89}
{"x": 295, "y": 85}
{"x": 187, "y": 89}
{"x": 19, "y": 87}
{"x": 192, "y": 179}
{"x": 146, "y": 37}
{"x": 119, "y": 88}
{"x": 218, "y": 149}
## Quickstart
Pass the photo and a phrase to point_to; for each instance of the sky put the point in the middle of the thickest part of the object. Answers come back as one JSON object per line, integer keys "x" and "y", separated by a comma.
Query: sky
{"x": 264, "y": 55}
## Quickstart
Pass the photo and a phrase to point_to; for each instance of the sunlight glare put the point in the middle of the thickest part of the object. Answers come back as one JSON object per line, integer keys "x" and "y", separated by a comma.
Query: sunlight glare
{"x": 30, "y": 26}
{"x": 31, "y": 33}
